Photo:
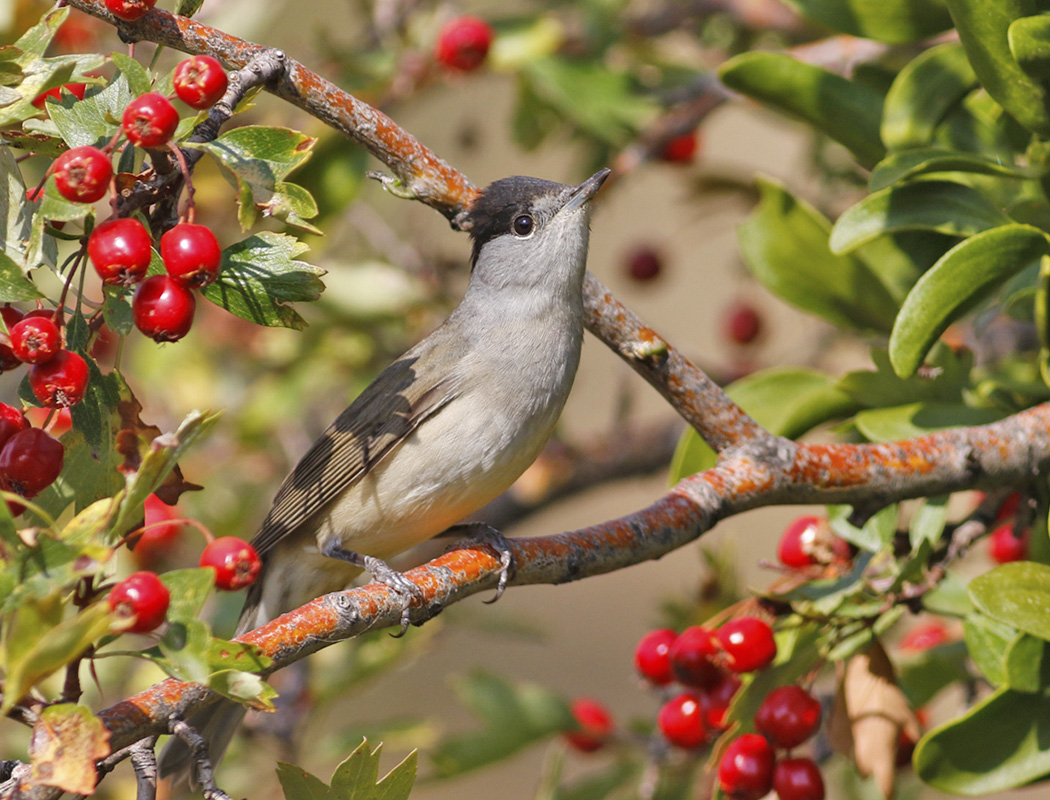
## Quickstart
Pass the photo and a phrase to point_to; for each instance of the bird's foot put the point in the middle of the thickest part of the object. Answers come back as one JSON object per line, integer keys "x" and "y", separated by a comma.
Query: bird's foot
{"x": 383, "y": 573}
{"x": 481, "y": 533}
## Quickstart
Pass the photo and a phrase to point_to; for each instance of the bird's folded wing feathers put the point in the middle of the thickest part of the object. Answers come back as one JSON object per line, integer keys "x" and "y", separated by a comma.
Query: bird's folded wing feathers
{"x": 381, "y": 417}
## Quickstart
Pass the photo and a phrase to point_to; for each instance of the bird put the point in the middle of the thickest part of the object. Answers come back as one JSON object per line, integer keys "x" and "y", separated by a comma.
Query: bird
{"x": 442, "y": 431}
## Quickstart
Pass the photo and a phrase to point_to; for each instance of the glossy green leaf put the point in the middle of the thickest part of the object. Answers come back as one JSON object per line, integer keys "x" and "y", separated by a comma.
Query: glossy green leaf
{"x": 967, "y": 274}
{"x": 848, "y": 111}
{"x": 785, "y": 245}
{"x": 922, "y": 94}
{"x": 917, "y": 419}
{"x": 891, "y": 21}
{"x": 513, "y": 716}
{"x": 906, "y": 164}
{"x": 1029, "y": 42}
{"x": 259, "y": 278}
{"x": 900, "y": 258}
{"x": 1016, "y": 594}
{"x": 983, "y": 29}
{"x": 1002, "y": 742}
{"x": 942, "y": 206}
{"x": 1027, "y": 664}
{"x": 987, "y": 642}
{"x": 786, "y": 401}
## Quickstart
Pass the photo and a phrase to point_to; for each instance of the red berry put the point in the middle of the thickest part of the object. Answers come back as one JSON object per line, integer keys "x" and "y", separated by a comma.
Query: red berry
{"x": 8, "y": 359}
{"x": 35, "y": 339}
{"x": 788, "y": 716}
{"x": 129, "y": 10}
{"x": 716, "y": 700}
{"x": 1004, "y": 546}
{"x": 681, "y": 721}
{"x": 798, "y": 779}
{"x": 1009, "y": 507}
{"x": 150, "y": 120}
{"x": 60, "y": 381}
{"x": 691, "y": 657}
{"x": 120, "y": 251}
{"x": 30, "y": 461}
{"x": 75, "y": 89}
{"x": 191, "y": 254}
{"x": 746, "y": 769}
{"x": 200, "y": 81}
{"x": 463, "y": 43}
{"x": 82, "y": 174}
{"x": 652, "y": 656}
{"x": 61, "y": 421}
{"x": 142, "y": 599}
{"x": 11, "y": 422}
{"x": 748, "y": 643}
{"x": 159, "y": 533}
{"x": 925, "y": 637}
{"x": 681, "y": 149}
{"x": 644, "y": 264}
{"x": 743, "y": 324}
{"x": 595, "y": 725}
{"x": 162, "y": 309}
{"x": 235, "y": 562}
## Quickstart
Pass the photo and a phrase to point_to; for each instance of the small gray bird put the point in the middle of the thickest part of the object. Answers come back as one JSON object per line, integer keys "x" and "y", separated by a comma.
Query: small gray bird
{"x": 442, "y": 431}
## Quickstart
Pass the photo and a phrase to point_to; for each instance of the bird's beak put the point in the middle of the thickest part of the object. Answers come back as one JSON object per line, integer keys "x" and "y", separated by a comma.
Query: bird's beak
{"x": 586, "y": 190}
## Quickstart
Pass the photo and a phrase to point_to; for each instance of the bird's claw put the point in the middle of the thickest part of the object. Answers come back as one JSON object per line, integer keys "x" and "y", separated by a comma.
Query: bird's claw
{"x": 400, "y": 585}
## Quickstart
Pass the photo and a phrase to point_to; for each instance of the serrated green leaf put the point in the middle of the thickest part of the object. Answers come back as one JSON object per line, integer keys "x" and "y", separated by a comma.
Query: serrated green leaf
{"x": 890, "y": 21}
{"x": 293, "y": 205}
{"x": 36, "y": 644}
{"x": 259, "y": 276}
{"x": 184, "y": 650}
{"x": 785, "y": 245}
{"x": 93, "y": 120}
{"x": 942, "y": 206}
{"x": 786, "y": 401}
{"x": 1000, "y": 743}
{"x": 298, "y": 784}
{"x": 923, "y": 93}
{"x": 917, "y": 419}
{"x": 987, "y": 642}
{"x": 136, "y": 75}
{"x": 1016, "y": 594}
{"x": 967, "y": 274}
{"x": 14, "y": 285}
{"x": 353, "y": 779}
{"x": 907, "y": 164}
{"x": 983, "y": 30}
{"x": 848, "y": 111}
{"x": 514, "y": 716}
{"x": 246, "y": 688}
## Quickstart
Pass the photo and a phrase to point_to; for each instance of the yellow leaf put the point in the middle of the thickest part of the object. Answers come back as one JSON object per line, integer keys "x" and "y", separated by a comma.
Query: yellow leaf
{"x": 67, "y": 740}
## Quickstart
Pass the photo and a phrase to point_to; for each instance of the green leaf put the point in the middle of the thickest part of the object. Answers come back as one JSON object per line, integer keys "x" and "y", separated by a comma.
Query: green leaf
{"x": 987, "y": 641}
{"x": 187, "y": 8}
{"x": 1029, "y": 41}
{"x": 93, "y": 120}
{"x": 923, "y": 93}
{"x": 292, "y": 205}
{"x": 513, "y": 717}
{"x": 917, "y": 419}
{"x": 929, "y": 160}
{"x": 36, "y": 644}
{"x": 967, "y": 274}
{"x": 246, "y": 688}
{"x": 600, "y": 101}
{"x": 15, "y": 224}
{"x": 259, "y": 276}
{"x": 1000, "y": 743}
{"x": 876, "y": 533}
{"x": 1027, "y": 665}
{"x": 848, "y": 111}
{"x": 927, "y": 523}
{"x": 1016, "y": 594}
{"x": 983, "y": 30}
{"x": 599, "y": 784}
{"x": 924, "y": 676}
{"x": 353, "y": 779}
{"x": 881, "y": 387}
{"x": 257, "y": 158}
{"x": 890, "y": 21}
{"x": 942, "y": 206}
{"x": 786, "y": 401}
{"x": 136, "y": 75}
{"x": 785, "y": 245}
{"x": 14, "y": 285}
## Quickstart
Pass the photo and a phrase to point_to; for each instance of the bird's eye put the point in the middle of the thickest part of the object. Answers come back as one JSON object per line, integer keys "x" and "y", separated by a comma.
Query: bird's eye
{"x": 523, "y": 225}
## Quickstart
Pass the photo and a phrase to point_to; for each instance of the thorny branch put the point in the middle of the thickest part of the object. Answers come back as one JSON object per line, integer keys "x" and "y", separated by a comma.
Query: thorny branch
{"x": 754, "y": 469}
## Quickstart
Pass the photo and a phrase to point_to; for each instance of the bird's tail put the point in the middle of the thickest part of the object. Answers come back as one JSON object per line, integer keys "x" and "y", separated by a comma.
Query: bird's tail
{"x": 218, "y": 722}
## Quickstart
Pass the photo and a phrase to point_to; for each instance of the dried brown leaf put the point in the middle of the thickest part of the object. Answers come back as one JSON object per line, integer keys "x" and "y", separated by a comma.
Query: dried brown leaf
{"x": 67, "y": 740}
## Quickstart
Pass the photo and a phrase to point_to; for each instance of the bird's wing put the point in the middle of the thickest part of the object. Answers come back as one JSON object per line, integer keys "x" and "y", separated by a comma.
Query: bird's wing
{"x": 381, "y": 417}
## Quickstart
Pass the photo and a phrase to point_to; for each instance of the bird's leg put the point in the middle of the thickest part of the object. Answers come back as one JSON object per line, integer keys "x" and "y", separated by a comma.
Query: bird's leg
{"x": 382, "y": 573}
{"x": 481, "y": 533}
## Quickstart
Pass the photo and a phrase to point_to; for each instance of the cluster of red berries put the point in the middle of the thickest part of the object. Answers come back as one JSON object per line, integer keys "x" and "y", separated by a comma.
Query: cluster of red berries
{"x": 30, "y": 458}
{"x": 809, "y": 541}
{"x": 141, "y": 600}
{"x": 463, "y": 43}
{"x": 58, "y": 377}
{"x": 121, "y": 249}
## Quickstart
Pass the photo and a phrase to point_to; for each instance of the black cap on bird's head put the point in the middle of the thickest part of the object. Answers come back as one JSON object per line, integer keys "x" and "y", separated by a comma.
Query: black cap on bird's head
{"x": 519, "y": 205}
